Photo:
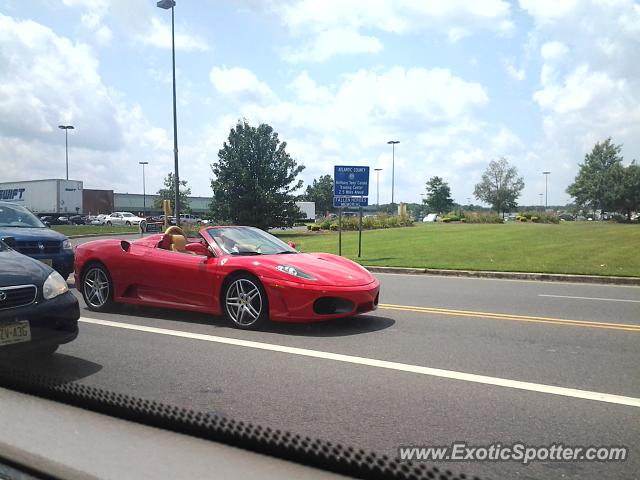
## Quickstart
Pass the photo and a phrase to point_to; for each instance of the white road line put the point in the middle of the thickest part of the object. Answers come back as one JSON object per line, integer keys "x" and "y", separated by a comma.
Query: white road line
{"x": 370, "y": 362}
{"x": 591, "y": 298}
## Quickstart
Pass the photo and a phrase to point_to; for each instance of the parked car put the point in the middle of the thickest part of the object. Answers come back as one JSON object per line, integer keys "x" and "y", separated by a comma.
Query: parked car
{"x": 49, "y": 220}
{"x": 189, "y": 219}
{"x": 122, "y": 219}
{"x": 96, "y": 219}
{"x": 77, "y": 220}
{"x": 37, "y": 311}
{"x": 26, "y": 233}
{"x": 431, "y": 217}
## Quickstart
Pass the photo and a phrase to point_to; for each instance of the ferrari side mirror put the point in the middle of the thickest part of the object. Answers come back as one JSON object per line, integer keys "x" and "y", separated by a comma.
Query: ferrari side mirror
{"x": 291, "y": 244}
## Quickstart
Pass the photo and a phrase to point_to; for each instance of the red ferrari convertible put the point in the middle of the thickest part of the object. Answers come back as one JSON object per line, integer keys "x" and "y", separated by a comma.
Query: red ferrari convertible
{"x": 243, "y": 273}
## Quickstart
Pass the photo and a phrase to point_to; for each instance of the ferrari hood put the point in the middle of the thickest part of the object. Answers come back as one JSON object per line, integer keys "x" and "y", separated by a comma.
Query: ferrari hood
{"x": 327, "y": 269}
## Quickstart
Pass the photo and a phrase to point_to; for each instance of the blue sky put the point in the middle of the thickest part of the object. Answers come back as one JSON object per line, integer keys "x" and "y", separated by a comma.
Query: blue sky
{"x": 458, "y": 82}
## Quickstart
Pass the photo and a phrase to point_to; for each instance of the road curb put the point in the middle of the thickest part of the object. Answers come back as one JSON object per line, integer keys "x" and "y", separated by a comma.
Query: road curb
{"x": 547, "y": 277}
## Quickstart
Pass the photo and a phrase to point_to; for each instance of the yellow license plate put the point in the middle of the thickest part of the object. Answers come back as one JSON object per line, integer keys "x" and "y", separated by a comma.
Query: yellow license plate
{"x": 46, "y": 261}
{"x": 15, "y": 332}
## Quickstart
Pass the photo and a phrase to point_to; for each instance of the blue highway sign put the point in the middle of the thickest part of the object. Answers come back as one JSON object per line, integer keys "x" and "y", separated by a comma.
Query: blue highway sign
{"x": 350, "y": 181}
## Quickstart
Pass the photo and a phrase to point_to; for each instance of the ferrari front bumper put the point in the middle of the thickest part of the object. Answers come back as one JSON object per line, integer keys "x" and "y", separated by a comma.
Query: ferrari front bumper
{"x": 297, "y": 302}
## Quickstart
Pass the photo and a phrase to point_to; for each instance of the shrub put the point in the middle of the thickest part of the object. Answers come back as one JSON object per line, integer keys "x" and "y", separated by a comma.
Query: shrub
{"x": 535, "y": 219}
{"x": 445, "y": 219}
{"x": 481, "y": 217}
{"x": 333, "y": 227}
{"x": 315, "y": 228}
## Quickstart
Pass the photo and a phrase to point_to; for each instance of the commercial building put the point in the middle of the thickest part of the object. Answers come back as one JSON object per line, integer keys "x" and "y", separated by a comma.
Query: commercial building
{"x": 134, "y": 203}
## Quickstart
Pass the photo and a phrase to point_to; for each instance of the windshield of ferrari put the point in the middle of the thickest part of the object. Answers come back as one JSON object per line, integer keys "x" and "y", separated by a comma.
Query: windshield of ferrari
{"x": 247, "y": 241}
{"x": 18, "y": 216}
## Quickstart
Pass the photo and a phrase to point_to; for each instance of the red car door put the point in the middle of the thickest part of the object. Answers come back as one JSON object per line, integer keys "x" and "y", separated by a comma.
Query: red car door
{"x": 179, "y": 280}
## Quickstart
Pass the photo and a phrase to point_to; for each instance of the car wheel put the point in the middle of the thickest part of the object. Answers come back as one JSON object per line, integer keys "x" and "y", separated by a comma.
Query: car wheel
{"x": 97, "y": 288}
{"x": 109, "y": 224}
{"x": 245, "y": 302}
{"x": 128, "y": 224}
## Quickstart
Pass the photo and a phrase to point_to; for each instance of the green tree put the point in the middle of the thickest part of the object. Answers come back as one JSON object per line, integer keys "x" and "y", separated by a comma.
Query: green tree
{"x": 169, "y": 193}
{"x": 321, "y": 192}
{"x": 599, "y": 182}
{"x": 630, "y": 198}
{"x": 500, "y": 186}
{"x": 255, "y": 179}
{"x": 438, "y": 196}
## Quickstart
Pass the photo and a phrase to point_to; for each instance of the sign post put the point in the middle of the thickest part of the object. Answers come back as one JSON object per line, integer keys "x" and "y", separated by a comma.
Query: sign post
{"x": 350, "y": 189}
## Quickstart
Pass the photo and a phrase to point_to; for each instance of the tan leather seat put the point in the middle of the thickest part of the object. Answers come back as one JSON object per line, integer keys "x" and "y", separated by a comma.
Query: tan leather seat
{"x": 178, "y": 244}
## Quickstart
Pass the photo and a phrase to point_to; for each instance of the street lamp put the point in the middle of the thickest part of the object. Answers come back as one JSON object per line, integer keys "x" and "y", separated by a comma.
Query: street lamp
{"x": 66, "y": 128}
{"x": 144, "y": 191}
{"x": 166, "y": 5}
{"x": 541, "y": 194}
{"x": 546, "y": 189}
{"x": 378, "y": 170}
{"x": 393, "y": 144}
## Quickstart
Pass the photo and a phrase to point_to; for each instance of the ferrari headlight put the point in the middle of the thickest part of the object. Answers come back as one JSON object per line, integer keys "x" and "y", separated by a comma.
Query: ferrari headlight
{"x": 66, "y": 245}
{"x": 295, "y": 272}
{"x": 54, "y": 285}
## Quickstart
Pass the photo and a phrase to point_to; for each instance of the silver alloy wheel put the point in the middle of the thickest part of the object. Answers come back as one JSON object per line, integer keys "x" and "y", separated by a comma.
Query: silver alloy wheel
{"x": 96, "y": 287}
{"x": 244, "y": 302}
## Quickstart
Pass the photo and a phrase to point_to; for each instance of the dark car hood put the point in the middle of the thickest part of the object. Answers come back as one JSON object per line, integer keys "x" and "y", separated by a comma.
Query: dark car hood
{"x": 26, "y": 234}
{"x": 18, "y": 269}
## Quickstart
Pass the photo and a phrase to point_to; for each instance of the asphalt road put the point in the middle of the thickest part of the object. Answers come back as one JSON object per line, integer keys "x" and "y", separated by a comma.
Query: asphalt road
{"x": 576, "y": 347}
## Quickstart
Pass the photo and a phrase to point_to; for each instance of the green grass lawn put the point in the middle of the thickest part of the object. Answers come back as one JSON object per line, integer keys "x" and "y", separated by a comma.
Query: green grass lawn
{"x": 91, "y": 229}
{"x": 580, "y": 247}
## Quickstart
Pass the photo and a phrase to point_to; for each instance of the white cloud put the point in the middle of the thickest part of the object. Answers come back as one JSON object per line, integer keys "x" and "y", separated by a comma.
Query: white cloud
{"x": 518, "y": 74}
{"x": 93, "y": 22}
{"x": 326, "y": 124}
{"x": 48, "y": 80}
{"x": 589, "y": 86}
{"x": 158, "y": 34}
{"x": 336, "y": 27}
{"x": 337, "y": 41}
{"x": 240, "y": 84}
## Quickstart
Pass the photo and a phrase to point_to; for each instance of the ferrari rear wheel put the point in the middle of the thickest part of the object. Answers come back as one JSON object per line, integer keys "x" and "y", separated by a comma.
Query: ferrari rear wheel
{"x": 245, "y": 302}
{"x": 97, "y": 288}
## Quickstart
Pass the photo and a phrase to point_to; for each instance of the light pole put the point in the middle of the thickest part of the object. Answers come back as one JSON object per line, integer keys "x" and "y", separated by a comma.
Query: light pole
{"x": 378, "y": 170}
{"x": 541, "y": 194}
{"x": 166, "y": 5}
{"x": 393, "y": 144}
{"x": 546, "y": 189}
{"x": 144, "y": 191}
{"x": 66, "y": 128}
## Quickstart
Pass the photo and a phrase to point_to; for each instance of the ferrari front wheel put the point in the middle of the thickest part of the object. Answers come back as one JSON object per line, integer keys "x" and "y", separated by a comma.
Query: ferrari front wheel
{"x": 245, "y": 302}
{"x": 97, "y": 288}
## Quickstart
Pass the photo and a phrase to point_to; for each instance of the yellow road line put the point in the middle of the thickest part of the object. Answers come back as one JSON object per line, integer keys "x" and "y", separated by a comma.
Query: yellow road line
{"x": 515, "y": 318}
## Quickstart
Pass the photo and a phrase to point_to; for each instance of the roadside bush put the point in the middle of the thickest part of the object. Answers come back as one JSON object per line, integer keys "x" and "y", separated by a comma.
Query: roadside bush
{"x": 445, "y": 219}
{"x": 369, "y": 223}
{"x": 535, "y": 219}
{"x": 482, "y": 217}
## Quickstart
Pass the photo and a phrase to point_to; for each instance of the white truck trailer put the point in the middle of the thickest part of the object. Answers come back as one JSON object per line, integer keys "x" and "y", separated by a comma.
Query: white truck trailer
{"x": 308, "y": 210}
{"x": 45, "y": 196}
